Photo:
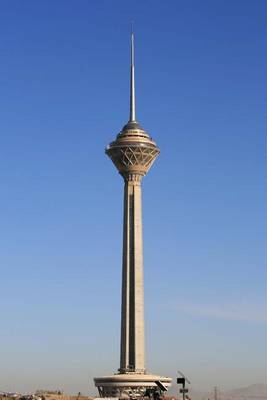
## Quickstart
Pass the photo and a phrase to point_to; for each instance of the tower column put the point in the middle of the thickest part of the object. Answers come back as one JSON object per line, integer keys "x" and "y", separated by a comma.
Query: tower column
{"x": 132, "y": 317}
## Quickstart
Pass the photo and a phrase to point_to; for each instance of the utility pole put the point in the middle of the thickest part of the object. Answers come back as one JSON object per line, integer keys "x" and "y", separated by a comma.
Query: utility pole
{"x": 181, "y": 381}
{"x": 216, "y": 397}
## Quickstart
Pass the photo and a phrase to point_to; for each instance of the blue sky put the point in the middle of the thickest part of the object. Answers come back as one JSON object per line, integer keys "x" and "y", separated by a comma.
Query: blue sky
{"x": 201, "y": 93}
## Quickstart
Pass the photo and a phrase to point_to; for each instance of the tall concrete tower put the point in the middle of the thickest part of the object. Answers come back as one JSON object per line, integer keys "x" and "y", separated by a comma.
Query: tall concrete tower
{"x": 133, "y": 152}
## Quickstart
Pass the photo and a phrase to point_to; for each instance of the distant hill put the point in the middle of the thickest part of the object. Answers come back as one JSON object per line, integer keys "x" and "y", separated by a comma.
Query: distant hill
{"x": 253, "y": 391}
{"x": 256, "y": 391}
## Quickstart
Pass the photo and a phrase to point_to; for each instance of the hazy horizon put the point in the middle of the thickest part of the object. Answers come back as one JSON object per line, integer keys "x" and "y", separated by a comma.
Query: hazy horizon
{"x": 201, "y": 94}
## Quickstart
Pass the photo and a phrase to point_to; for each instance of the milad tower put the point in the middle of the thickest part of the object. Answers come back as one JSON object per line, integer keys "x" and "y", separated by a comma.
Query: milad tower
{"x": 133, "y": 153}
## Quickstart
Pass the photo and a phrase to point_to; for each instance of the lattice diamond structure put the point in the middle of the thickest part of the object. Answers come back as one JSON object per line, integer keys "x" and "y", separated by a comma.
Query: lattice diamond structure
{"x": 133, "y": 152}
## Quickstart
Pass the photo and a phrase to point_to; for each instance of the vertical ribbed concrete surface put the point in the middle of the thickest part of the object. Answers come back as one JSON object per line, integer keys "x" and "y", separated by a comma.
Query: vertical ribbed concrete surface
{"x": 132, "y": 317}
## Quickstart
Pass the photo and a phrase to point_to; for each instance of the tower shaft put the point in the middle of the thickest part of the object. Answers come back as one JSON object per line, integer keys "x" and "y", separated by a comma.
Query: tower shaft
{"x": 132, "y": 315}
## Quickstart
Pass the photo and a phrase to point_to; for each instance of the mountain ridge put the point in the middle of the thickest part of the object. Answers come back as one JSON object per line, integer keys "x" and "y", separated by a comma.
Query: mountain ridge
{"x": 251, "y": 392}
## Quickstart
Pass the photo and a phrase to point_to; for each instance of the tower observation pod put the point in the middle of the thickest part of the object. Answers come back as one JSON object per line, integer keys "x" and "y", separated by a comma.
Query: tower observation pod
{"x": 133, "y": 153}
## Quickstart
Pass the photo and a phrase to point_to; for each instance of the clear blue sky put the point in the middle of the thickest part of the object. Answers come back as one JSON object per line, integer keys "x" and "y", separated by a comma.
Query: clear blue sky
{"x": 201, "y": 93}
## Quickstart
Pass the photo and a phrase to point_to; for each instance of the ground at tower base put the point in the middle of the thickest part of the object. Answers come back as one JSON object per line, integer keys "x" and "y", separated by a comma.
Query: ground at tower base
{"x": 251, "y": 392}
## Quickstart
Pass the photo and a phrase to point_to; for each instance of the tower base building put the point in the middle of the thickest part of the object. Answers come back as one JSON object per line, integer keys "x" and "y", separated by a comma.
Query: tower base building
{"x": 131, "y": 385}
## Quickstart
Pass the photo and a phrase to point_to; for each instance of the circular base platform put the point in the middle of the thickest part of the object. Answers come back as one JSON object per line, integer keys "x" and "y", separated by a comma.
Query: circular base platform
{"x": 130, "y": 385}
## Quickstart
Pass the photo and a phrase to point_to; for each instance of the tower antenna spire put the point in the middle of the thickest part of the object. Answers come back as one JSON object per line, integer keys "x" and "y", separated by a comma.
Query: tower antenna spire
{"x": 132, "y": 84}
